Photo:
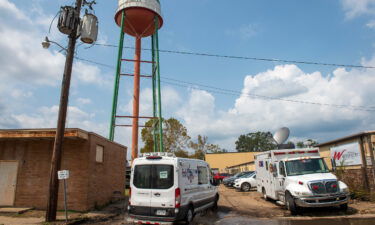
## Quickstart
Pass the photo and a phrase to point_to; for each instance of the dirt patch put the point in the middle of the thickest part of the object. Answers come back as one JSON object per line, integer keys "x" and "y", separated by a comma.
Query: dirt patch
{"x": 252, "y": 204}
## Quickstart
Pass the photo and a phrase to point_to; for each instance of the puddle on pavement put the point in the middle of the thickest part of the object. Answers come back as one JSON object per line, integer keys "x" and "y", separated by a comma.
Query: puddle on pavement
{"x": 228, "y": 218}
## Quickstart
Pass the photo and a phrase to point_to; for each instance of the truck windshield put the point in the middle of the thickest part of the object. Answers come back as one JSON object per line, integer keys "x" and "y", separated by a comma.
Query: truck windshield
{"x": 153, "y": 176}
{"x": 306, "y": 166}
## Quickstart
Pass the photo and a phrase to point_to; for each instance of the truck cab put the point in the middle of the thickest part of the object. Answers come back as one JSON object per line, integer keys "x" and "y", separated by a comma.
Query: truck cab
{"x": 299, "y": 178}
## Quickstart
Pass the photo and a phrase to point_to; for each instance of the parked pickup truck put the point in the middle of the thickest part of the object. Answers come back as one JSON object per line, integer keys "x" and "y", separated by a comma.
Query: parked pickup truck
{"x": 299, "y": 178}
{"x": 220, "y": 176}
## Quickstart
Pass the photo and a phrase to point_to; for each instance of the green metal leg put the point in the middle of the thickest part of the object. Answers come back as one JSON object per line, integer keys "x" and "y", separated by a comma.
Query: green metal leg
{"x": 117, "y": 80}
{"x": 154, "y": 95}
{"x": 159, "y": 86}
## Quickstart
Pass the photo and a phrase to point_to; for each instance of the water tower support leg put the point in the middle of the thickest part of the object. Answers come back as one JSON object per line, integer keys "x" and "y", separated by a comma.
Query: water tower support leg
{"x": 117, "y": 79}
{"x": 154, "y": 99}
{"x": 161, "y": 145}
{"x": 137, "y": 71}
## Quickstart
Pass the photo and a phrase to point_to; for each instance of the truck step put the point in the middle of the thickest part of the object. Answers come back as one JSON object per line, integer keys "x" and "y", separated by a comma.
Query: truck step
{"x": 280, "y": 203}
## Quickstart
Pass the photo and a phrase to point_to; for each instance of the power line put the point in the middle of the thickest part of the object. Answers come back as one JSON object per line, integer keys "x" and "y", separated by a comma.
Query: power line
{"x": 218, "y": 90}
{"x": 247, "y": 58}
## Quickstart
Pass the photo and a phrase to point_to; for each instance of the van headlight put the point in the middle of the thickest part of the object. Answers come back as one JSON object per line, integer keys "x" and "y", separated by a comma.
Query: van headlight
{"x": 345, "y": 190}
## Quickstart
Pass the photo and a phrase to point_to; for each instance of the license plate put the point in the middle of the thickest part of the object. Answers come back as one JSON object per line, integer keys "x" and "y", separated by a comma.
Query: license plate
{"x": 161, "y": 212}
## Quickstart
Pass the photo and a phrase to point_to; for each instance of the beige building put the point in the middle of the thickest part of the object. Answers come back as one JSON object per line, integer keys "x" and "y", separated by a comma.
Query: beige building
{"x": 225, "y": 162}
{"x": 96, "y": 165}
{"x": 361, "y": 173}
{"x": 249, "y": 166}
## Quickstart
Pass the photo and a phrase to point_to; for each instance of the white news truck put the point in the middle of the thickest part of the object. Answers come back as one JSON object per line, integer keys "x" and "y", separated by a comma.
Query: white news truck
{"x": 299, "y": 178}
{"x": 166, "y": 189}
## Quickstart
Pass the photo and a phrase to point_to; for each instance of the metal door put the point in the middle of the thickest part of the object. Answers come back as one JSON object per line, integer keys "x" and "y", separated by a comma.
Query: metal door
{"x": 8, "y": 181}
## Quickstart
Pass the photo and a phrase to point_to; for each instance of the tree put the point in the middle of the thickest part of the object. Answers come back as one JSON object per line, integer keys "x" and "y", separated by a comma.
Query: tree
{"x": 175, "y": 137}
{"x": 201, "y": 147}
{"x": 307, "y": 143}
{"x": 255, "y": 142}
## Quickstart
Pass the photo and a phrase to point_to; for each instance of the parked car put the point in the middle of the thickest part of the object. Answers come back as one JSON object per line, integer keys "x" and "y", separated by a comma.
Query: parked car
{"x": 167, "y": 189}
{"x": 246, "y": 182}
{"x": 220, "y": 176}
{"x": 229, "y": 181}
{"x": 299, "y": 178}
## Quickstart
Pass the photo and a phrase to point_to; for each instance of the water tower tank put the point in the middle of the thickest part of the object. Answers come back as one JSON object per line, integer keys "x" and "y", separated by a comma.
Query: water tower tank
{"x": 139, "y": 16}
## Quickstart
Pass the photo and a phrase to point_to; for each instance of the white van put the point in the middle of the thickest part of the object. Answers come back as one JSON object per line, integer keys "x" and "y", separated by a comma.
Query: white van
{"x": 166, "y": 189}
{"x": 299, "y": 178}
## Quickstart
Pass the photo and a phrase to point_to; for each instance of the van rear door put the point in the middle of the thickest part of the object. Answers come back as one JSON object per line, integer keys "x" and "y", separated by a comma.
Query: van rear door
{"x": 163, "y": 187}
{"x": 141, "y": 188}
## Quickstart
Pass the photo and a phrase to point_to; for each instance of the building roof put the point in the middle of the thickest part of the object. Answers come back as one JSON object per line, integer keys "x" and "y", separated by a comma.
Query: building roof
{"x": 345, "y": 138}
{"x": 48, "y": 134}
{"x": 242, "y": 164}
{"x": 210, "y": 153}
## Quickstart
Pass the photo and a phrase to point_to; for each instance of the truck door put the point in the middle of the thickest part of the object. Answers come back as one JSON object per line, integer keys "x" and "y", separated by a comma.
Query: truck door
{"x": 280, "y": 187}
{"x": 273, "y": 179}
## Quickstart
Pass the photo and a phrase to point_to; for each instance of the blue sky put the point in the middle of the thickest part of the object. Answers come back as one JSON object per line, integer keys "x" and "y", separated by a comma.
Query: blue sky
{"x": 336, "y": 31}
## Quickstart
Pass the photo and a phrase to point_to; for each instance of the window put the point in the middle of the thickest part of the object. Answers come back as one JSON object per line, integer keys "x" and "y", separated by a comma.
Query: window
{"x": 282, "y": 169}
{"x": 306, "y": 166}
{"x": 99, "y": 153}
{"x": 153, "y": 176}
{"x": 202, "y": 175}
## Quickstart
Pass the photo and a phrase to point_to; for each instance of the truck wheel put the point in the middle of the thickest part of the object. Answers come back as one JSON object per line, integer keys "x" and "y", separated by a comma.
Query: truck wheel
{"x": 291, "y": 205}
{"x": 264, "y": 194}
{"x": 344, "y": 207}
{"x": 189, "y": 215}
{"x": 245, "y": 187}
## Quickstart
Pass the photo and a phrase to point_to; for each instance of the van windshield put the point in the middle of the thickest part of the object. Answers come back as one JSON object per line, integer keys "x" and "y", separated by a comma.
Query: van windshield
{"x": 306, "y": 166}
{"x": 153, "y": 176}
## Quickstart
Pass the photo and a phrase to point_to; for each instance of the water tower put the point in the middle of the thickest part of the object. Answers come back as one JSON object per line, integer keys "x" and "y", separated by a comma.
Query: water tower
{"x": 139, "y": 19}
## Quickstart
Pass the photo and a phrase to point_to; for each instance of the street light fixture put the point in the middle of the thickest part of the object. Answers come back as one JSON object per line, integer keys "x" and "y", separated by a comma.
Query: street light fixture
{"x": 47, "y": 43}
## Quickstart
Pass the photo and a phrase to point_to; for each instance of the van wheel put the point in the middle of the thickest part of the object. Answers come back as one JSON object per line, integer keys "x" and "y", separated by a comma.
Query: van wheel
{"x": 344, "y": 207}
{"x": 264, "y": 194}
{"x": 215, "y": 206}
{"x": 291, "y": 205}
{"x": 245, "y": 187}
{"x": 189, "y": 215}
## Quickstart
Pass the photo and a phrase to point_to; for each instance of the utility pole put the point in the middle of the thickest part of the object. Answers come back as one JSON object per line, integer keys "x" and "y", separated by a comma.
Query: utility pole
{"x": 57, "y": 147}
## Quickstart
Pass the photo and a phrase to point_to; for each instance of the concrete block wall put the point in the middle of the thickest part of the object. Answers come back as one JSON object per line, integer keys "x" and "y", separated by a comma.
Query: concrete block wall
{"x": 107, "y": 177}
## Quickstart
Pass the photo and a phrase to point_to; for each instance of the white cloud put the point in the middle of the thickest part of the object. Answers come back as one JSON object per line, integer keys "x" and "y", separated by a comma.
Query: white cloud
{"x": 46, "y": 117}
{"x": 343, "y": 87}
{"x": 170, "y": 101}
{"x": 22, "y": 57}
{"x": 356, "y": 8}
{"x": 84, "y": 101}
{"x": 371, "y": 24}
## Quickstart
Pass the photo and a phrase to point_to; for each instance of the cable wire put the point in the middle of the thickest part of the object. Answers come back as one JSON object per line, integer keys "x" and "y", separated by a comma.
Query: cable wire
{"x": 247, "y": 58}
{"x": 218, "y": 90}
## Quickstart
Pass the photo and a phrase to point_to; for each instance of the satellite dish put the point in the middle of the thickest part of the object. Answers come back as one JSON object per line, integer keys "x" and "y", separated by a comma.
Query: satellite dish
{"x": 281, "y": 135}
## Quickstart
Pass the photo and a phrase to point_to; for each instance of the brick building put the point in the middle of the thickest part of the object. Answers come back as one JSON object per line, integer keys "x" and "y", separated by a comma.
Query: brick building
{"x": 96, "y": 165}
{"x": 360, "y": 173}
